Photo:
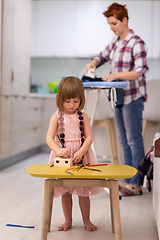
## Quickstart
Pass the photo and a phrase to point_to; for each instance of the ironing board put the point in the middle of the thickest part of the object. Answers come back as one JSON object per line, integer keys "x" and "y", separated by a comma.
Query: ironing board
{"x": 99, "y": 86}
{"x": 57, "y": 177}
{"x": 93, "y": 85}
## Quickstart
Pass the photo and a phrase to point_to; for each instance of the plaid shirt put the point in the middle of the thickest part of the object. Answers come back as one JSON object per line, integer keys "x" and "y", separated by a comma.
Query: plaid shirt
{"x": 131, "y": 57}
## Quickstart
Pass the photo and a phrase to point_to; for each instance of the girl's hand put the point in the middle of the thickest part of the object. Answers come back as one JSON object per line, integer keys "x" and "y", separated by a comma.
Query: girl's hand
{"x": 63, "y": 152}
{"x": 109, "y": 77}
{"x": 77, "y": 157}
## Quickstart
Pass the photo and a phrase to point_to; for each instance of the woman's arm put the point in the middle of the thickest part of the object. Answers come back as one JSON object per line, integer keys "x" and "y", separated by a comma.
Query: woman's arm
{"x": 51, "y": 135}
{"x": 140, "y": 69}
{"x": 93, "y": 64}
{"x": 131, "y": 75}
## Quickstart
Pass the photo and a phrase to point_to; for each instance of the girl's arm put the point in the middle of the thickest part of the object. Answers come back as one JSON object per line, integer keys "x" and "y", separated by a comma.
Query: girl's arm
{"x": 88, "y": 140}
{"x": 52, "y": 129}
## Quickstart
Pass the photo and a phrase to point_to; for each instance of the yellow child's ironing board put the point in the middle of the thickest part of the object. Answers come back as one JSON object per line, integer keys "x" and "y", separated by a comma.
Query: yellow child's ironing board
{"x": 57, "y": 177}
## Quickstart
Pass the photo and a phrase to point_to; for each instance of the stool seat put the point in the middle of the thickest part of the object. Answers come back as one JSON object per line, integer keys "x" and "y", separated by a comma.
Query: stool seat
{"x": 57, "y": 177}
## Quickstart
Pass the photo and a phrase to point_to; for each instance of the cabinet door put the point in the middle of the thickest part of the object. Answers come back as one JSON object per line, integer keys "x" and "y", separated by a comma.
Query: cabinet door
{"x": 0, "y": 41}
{"x": 5, "y": 119}
{"x": 26, "y": 123}
{"x": 78, "y": 28}
{"x": 49, "y": 107}
{"x": 7, "y": 45}
{"x": 16, "y": 47}
{"x": 21, "y": 47}
{"x": 19, "y": 124}
{"x": 53, "y": 28}
{"x": 92, "y": 32}
{"x": 35, "y": 113}
{"x": 35, "y": 119}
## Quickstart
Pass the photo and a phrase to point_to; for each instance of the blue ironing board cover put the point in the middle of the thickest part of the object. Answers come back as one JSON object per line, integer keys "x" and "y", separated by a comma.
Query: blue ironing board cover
{"x": 100, "y": 84}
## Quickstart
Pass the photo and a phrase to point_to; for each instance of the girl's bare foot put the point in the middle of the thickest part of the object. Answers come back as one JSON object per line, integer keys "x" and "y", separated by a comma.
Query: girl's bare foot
{"x": 65, "y": 226}
{"x": 89, "y": 226}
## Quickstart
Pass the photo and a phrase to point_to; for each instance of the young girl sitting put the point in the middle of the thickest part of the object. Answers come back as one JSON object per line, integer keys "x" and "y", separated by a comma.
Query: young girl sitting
{"x": 70, "y": 128}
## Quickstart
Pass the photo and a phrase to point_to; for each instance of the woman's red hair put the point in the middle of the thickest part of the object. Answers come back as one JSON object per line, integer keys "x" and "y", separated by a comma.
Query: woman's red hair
{"x": 117, "y": 10}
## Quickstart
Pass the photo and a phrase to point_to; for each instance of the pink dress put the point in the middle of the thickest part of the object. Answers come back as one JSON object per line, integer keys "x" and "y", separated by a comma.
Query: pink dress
{"x": 72, "y": 143}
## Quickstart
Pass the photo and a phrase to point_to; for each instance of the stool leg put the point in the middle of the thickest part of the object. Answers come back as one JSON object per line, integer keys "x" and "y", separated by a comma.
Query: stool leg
{"x": 111, "y": 206}
{"x": 115, "y": 209}
{"x": 47, "y": 208}
{"x": 111, "y": 133}
{"x": 110, "y": 127}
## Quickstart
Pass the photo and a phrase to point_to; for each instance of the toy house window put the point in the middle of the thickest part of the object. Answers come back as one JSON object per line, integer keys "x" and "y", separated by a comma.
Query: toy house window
{"x": 66, "y": 161}
{"x": 57, "y": 161}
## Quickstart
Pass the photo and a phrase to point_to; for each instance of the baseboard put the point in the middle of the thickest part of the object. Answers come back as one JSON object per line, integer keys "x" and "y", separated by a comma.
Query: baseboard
{"x": 6, "y": 162}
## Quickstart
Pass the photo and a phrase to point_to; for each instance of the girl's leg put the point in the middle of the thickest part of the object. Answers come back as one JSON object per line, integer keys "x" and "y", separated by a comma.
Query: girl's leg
{"x": 84, "y": 203}
{"x": 67, "y": 210}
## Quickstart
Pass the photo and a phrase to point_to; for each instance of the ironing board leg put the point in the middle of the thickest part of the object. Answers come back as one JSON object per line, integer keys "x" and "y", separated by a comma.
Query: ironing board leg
{"x": 95, "y": 107}
{"x": 47, "y": 208}
{"x": 115, "y": 209}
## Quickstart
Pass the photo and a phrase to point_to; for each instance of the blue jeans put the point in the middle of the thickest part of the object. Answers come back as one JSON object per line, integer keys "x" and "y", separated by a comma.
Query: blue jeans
{"x": 129, "y": 125}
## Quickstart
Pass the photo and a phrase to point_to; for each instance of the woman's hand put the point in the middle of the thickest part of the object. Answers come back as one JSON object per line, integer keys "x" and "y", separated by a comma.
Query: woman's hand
{"x": 109, "y": 77}
{"x": 89, "y": 66}
{"x": 93, "y": 64}
{"x": 77, "y": 157}
{"x": 63, "y": 152}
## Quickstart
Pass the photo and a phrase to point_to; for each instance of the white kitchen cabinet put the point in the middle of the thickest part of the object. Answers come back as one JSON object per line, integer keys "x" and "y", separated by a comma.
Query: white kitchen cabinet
{"x": 0, "y": 40}
{"x": 5, "y": 137}
{"x": 92, "y": 32}
{"x": 68, "y": 28}
{"x": 35, "y": 137}
{"x": 19, "y": 137}
{"x": 21, "y": 124}
{"x": 15, "y": 47}
{"x": 26, "y": 123}
{"x": 7, "y": 47}
{"x": 35, "y": 122}
{"x": 49, "y": 108}
{"x": 15, "y": 76}
{"x": 79, "y": 29}
{"x": 21, "y": 47}
{"x": 52, "y": 28}
{"x": 35, "y": 113}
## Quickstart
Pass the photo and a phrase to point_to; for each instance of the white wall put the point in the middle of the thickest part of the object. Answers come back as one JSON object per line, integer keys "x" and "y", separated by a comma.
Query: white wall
{"x": 79, "y": 29}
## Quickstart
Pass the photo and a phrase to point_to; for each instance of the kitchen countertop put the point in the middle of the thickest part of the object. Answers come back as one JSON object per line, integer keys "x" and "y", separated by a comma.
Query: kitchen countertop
{"x": 42, "y": 95}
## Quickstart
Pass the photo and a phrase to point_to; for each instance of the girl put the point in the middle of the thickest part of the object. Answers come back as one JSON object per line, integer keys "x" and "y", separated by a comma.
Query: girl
{"x": 73, "y": 128}
{"x": 126, "y": 54}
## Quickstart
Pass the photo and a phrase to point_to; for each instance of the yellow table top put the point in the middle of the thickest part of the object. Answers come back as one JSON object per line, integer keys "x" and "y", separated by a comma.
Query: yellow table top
{"x": 110, "y": 171}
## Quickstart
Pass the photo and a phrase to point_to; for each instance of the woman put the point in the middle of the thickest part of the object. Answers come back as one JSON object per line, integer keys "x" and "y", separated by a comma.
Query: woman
{"x": 126, "y": 54}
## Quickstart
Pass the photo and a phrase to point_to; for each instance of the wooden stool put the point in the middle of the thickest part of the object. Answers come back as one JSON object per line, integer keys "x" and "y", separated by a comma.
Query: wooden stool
{"x": 111, "y": 133}
{"x": 57, "y": 177}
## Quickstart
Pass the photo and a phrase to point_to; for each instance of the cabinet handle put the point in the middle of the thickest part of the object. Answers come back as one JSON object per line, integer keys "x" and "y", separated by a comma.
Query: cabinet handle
{"x": 12, "y": 76}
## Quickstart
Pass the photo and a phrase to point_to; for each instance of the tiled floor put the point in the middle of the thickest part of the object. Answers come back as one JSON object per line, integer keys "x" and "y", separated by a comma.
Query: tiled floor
{"x": 21, "y": 203}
